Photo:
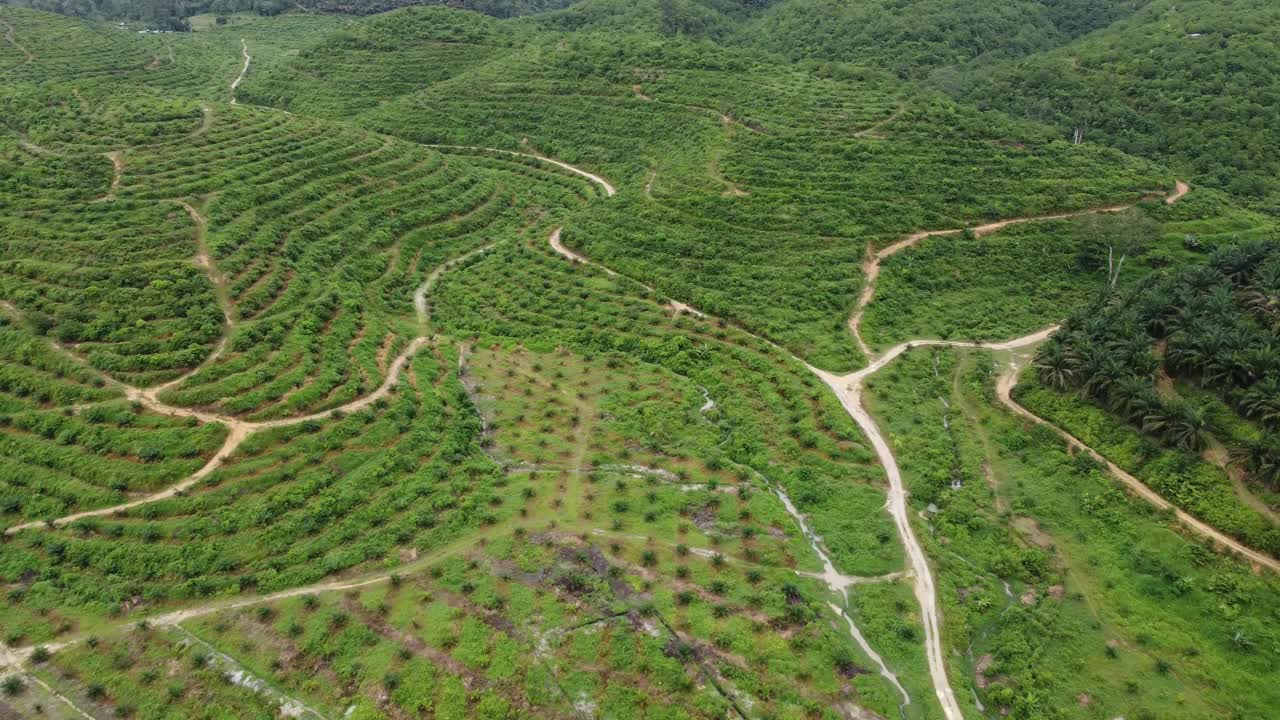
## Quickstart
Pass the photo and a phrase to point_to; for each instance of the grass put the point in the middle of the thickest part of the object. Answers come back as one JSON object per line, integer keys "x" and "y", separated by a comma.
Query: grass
{"x": 1103, "y": 571}
{"x": 1181, "y": 477}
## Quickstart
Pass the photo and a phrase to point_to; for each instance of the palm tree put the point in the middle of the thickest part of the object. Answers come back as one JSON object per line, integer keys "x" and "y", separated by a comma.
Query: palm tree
{"x": 1263, "y": 296}
{"x": 1240, "y": 366}
{"x": 1186, "y": 308}
{"x": 1239, "y": 262}
{"x": 1133, "y": 398}
{"x": 1262, "y": 460}
{"x": 1261, "y": 401}
{"x": 1201, "y": 279}
{"x": 1264, "y": 357}
{"x": 1093, "y": 359}
{"x": 1055, "y": 366}
{"x": 1220, "y": 302}
{"x": 1110, "y": 373}
{"x": 1180, "y": 423}
{"x": 1138, "y": 354}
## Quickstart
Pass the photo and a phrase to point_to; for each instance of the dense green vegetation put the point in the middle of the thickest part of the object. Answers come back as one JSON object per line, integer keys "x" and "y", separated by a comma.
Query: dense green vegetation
{"x": 163, "y": 15}
{"x": 803, "y": 166}
{"x": 959, "y": 286}
{"x": 1192, "y": 84}
{"x": 177, "y": 15}
{"x": 497, "y": 8}
{"x": 1213, "y": 325}
{"x": 912, "y": 36}
{"x": 1063, "y": 598}
{"x": 301, "y": 412}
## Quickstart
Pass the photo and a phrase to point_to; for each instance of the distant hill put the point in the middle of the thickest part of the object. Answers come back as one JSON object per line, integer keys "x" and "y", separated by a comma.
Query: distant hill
{"x": 173, "y": 14}
{"x": 496, "y": 8}
{"x": 912, "y": 36}
{"x": 160, "y": 14}
{"x": 1192, "y": 83}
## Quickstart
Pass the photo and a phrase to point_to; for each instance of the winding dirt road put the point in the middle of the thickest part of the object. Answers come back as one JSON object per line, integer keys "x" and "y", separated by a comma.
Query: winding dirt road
{"x": 848, "y": 388}
{"x": 1004, "y": 390}
{"x": 609, "y": 190}
{"x": 117, "y": 171}
{"x": 206, "y": 122}
{"x": 205, "y": 260}
{"x": 559, "y": 247}
{"x": 9, "y": 38}
{"x": 725, "y": 120}
{"x": 238, "y": 429}
{"x": 873, "y": 130}
{"x": 420, "y": 294}
{"x": 244, "y": 49}
{"x": 871, "y": 267}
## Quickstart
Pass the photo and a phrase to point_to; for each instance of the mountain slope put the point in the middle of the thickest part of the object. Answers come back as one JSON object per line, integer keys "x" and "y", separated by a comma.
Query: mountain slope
{"x": 1193, "y": 83}
{"x": 911, "y": 36}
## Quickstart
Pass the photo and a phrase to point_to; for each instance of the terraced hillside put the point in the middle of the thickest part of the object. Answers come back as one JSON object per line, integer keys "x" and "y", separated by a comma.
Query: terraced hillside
{"x": 804, "y": 168}
{"x": 435, "y": 365}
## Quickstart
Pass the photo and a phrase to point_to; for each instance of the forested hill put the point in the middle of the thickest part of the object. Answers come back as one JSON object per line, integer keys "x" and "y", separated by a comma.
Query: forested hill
{"x": 496, "y": 8}
{"x": 173, "y": 14}
{"x": 158, "y": 14}
{"x": 912, "y": 36}
{"x": 1192, "y": 83}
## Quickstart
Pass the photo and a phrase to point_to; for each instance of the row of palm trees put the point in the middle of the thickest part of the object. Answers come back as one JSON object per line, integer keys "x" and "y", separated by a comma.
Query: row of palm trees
{"x": 1217, "y": 325}
{"x": 1122, "y": 389}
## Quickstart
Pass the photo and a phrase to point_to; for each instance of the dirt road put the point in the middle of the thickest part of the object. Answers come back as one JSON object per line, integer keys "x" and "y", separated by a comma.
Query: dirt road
{"x": 609, "y": 190}
{"x": 244, "y": 49}
{"x": 205, "y": 260}
{"x": 558, "y": 246}
{"x": 1004, "y": 390}
{"x": 206, "y": 122}
{"x": 848, "y": 388}
{"x": 871, "y": 267}
{"x": 420, "y": 294}
{"x": 117, "y": 171}
{"x": 9, "y": 38}
{"x": 873, "y": 130}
